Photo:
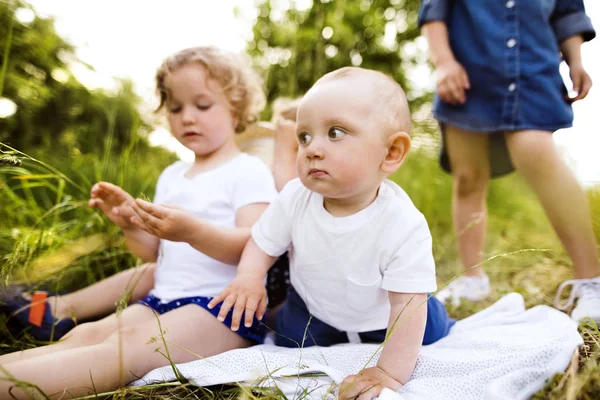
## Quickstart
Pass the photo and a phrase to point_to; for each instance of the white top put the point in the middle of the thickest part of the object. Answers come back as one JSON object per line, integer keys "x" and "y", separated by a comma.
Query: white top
{"x": 343, "y": 267}
{"x": 215, "y": 196}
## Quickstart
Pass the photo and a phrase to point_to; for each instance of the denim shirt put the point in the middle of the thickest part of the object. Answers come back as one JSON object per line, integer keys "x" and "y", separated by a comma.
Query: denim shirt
{"x": 510, "y": 51}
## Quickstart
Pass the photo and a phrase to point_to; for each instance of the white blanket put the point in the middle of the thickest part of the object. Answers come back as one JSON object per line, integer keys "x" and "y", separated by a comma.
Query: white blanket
{"x": 502, "y": 352}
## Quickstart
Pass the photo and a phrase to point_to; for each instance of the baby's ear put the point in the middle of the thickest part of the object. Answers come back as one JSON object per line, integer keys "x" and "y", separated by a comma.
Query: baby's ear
{"x": 398, "y": 145}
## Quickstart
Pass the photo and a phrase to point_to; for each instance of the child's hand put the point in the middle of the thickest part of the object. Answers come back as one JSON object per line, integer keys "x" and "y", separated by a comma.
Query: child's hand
{"x": 114, "y": 202}
{"x": 246, "y": 293}
{"x": 452, "y": 81}
{"x": 163, "y": 221}
{"x": 367, "y": 384}
{"x": 582, "y": 82}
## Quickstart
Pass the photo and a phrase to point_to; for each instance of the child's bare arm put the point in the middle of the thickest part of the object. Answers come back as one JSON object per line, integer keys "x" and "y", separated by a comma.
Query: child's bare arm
{"x": 571, "y": 50}
{"x": 452, "y": 79}
{"x": 178, "y": 225}
{"x": 247, "y": 292}
{"x": 116, "y": 204}
{"x": 408, "y": 317}
{"x": 142, "y": 244}
{"x": 286, "y": 149}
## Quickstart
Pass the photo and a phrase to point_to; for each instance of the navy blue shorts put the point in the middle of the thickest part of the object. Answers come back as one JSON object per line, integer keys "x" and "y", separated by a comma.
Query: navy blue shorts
{"x": 292, "y": 319}
{"x": 256, "y": 333}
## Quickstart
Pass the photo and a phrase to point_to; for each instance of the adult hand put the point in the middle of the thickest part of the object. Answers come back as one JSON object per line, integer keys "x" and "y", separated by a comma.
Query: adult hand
{"x": 246, "y": 293}
{"x": 114, "y": 202}
{"x": 452, "y": 82}
{"x": 582, "y": 82}
{"x": 367, "y": 384}
{"x": 164, "y": 221}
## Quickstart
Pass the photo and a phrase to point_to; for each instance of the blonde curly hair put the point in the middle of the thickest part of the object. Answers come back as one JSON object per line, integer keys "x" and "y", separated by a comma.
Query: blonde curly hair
{"x": 241, "y": 85}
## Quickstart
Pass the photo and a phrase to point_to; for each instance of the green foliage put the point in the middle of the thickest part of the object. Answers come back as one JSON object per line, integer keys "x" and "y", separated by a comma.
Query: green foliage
{"x": 62, "y": 139}
{"x": 54, "y": 110}
{"x": 296, "y": 47}
{"x": 44, "y": 211}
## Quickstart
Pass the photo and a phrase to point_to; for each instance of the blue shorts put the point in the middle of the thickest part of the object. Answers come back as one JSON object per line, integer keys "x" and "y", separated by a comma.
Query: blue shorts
{"x": 256, "y": 333}
{"x": 292, "y": 320}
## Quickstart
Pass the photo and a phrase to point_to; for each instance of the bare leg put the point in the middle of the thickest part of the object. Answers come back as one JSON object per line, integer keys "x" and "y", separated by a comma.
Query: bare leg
{"x": 191, "y": 333}
{"x": 469, "y": 159}
{"x": 535, "y": 156}
{"x": 100, "y": 298}
{"x": 87, "y": 334}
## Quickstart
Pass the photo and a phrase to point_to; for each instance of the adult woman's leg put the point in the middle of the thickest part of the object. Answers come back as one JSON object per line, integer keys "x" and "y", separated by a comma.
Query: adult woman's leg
{"x": 87, "y": 334}
{"x": 536, "y": 158}
{"x": 190, "y": 333}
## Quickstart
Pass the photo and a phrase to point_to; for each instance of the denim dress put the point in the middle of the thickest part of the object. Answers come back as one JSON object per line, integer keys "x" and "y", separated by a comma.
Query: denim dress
{"x": 510, "y": 51}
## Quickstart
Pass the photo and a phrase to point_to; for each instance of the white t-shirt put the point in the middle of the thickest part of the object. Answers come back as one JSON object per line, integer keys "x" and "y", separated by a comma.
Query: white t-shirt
{"x": 343, "y": 267}
{"x": 215, "y": 196}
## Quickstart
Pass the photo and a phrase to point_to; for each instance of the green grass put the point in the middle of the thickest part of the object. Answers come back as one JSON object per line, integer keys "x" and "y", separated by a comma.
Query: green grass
{"x": 50, "y": 237}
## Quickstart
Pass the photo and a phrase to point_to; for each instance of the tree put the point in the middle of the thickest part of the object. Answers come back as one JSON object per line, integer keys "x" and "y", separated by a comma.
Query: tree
{"x": 297, "y": 46}
{"x": 54, "y": 110}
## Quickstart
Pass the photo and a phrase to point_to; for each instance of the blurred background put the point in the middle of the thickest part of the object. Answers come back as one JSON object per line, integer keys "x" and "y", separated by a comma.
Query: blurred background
{"x": 77, "y": 100}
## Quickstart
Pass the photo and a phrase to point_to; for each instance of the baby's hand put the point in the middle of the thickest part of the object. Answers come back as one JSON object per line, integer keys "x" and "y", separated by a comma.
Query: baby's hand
{"x": 582, "y": 83}
{"x": 114, "y": 202}
{"x": 367, "y": 384}
{"x": 452, "y": 82}
{"x": 246, "y": 293}
{"x": 163, "y": 221}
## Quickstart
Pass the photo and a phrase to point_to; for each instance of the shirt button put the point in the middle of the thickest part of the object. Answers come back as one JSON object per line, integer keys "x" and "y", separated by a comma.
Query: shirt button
{"x": 510, "y": 4}
{"x": 511, "y": 43}
{"x": 512, "y": 87}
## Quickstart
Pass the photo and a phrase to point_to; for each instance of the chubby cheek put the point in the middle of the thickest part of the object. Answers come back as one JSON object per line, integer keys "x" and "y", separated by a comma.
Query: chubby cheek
{"x": 347, "y": 168}
{"x": 174, "y": 126}
{"x": 355, "y": 174}
{"x": 220, "y": 122}
{"x": 301, "y": 163}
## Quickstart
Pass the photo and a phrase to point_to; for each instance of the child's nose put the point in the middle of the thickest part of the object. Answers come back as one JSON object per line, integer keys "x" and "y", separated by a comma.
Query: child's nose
{"x": 315, "y": 149}
{"x": 188, "y": 116}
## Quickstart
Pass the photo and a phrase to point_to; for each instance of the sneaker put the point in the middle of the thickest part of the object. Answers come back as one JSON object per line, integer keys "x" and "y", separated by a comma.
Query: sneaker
{"x": 587, "y": 293}
{"x": 472, "y": 288}
{"x": 18, "y": 308}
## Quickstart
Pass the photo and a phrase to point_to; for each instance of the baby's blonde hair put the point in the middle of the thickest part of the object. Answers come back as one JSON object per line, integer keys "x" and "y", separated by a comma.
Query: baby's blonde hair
{"x": 240, "y": 84}
{"x": 392, "y": 101}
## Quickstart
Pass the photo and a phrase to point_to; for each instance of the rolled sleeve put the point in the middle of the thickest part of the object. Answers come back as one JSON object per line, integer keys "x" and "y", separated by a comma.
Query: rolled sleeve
{"x": 433, "y": 10}
{"x": 569, "y": 19}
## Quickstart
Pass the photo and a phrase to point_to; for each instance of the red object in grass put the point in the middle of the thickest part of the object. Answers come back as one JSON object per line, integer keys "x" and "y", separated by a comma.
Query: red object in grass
{"x": 38, "y": 307}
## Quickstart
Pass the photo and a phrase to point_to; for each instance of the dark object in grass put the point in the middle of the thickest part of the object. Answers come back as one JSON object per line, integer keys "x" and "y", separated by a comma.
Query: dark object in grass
{"x": 17, "y": 308}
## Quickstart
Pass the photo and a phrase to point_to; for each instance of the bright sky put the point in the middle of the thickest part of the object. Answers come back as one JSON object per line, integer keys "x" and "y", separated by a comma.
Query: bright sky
{"x": 130, "y": 38}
